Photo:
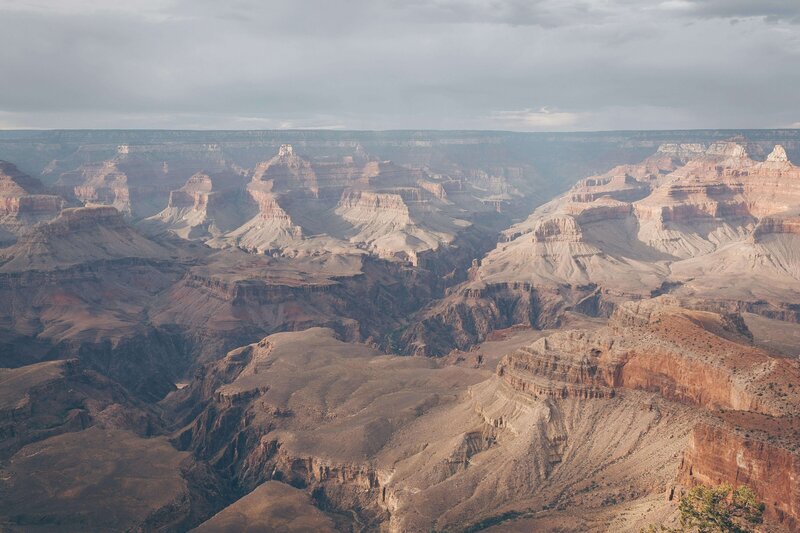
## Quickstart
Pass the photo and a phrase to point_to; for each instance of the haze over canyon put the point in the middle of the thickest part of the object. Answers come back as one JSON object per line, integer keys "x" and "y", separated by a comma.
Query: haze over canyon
{"x": 395, "y": 331}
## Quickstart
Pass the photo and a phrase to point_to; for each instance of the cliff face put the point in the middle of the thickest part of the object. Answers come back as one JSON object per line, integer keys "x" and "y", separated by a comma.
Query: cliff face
{"x": 54, "y": 397}
{"x": 719, "y": 192}
{"x": 251, "y": 397}
{"x": 408, "y": 446}
{"x": 272, "y": 228}
{"x": 355, "y": 205}
{"x": 94, "y": 312}
{"x": 229, "y": 304}
{"x": 101, "y": 183}
{"x": 204, "y": 208}
{"x": 697, "y": 358}
{"x": 761, "y": 453}
{"x": 243, "y": 314}
{"x": 14, "y": 182}
{"x": 684, "y": 220}
{"x": 23, "y": 201}
{"x": 470, "y": 312}
{"x": 135, "y": 176}
{"x": 78, "y": 235}
{"x": 137, "y": 179}
{"x": 287, "y": 171}
{"x": 79, "y": 286}
{"x": 362, "y": 206}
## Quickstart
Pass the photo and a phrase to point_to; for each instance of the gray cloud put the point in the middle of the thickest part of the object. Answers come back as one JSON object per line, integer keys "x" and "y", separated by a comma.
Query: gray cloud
{"x": 769, "y": 10}
{"x": 487, "y": 64}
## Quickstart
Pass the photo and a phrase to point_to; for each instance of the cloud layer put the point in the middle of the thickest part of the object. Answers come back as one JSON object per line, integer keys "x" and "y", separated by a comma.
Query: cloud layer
{"x": 386, "y": 64}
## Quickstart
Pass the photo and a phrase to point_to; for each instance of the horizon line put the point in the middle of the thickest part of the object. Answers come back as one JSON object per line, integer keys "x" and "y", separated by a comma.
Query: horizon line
{"x": 393, "y": 130}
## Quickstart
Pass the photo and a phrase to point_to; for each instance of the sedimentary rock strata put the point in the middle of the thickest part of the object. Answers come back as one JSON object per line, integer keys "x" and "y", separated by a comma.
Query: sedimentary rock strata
{"x": 692, "y": 357}
{"x": 407, "y": 444}
{"x": 78, "y": 235}
{"x": 203, "y": 208}
{"x": 23, "y": 202}
{"x": 685, "y": 220}
{"x": 220, "y": 350}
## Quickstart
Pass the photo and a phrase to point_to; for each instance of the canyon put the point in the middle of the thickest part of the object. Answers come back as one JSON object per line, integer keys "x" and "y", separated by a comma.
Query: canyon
{"x": 395, "y": 331}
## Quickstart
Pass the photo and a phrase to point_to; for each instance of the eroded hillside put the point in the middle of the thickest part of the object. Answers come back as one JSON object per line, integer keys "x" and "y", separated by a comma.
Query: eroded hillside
{"x": 396, "y": 332}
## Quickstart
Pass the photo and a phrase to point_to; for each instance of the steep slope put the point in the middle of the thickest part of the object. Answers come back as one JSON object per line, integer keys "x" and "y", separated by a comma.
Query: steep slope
{"x": 582, "y": 427}
{"x": 273, "y": 506}
{"x": 692, "y": 357}
{"x": 80, "y": 286}
{"x": 137, "y": 178}
{"x": 271, "y": 229}
{"x": 100, "y": 183}
{"x": 326, "y": 407}
{"x": 172, "y": 373}
{"x": 632, "y": 217}
{"x": 78, "y": 235}
{"x": 397, "y": 224}
{"x": 46, "y": 399}
{"x": 102, "y": 480}
{"x": 687, "y": 220}
{"x": 287, "y": 171}
{"x": 235, "y": 298}
{"x": 203, "y": 208}
{"x": 23, "y": 202}
{"x": 689, "y": 357}
{"x": 354, "y": 205}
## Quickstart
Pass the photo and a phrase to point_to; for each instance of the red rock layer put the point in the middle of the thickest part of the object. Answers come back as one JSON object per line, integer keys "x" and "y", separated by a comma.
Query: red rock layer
{"x": 694, "y": 357}
{"x": 721, "y": 452}
{"x": 687, "y": 356}
{"x": 21, "y": 194}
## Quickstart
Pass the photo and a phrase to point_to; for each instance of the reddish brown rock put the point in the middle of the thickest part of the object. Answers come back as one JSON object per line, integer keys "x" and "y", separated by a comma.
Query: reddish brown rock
{"x": 23, "y": 200}
{"x": 686, "y": 220}
{"x": 697, "y": 357}
{"x": 760, "y": 452}
{"x": 693, "y": 357}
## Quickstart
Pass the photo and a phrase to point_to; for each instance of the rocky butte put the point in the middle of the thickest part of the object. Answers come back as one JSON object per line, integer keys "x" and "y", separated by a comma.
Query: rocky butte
{"x": 395, "y": 331}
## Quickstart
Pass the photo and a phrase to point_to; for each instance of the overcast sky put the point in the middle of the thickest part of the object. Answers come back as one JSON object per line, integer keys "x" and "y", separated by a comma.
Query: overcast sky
{"x": 528, "y": 65}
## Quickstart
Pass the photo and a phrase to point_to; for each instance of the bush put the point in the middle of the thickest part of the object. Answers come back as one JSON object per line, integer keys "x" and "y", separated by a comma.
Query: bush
{"x": 720, "y": 509}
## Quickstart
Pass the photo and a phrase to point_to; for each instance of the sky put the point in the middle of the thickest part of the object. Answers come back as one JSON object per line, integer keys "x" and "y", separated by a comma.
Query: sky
{"x": 523, "y": 65}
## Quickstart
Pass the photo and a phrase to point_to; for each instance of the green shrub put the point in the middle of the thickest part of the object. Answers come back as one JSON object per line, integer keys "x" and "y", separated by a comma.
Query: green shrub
{"x": 720, "y": 509}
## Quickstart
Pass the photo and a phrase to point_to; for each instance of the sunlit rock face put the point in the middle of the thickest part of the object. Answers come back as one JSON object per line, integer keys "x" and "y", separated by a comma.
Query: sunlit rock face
{"x": 204, "y": 329}
{"x": 686, "y": 220}
{"x": 24, "y": 201}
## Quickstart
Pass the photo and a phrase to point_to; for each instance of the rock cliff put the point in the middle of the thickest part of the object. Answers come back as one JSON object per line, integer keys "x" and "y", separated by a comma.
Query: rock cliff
{"x": 409, "y": 446}
{"x": 78, "y": 235}
{"x": 693, "y": 357}
{"x": 220, "y": 352}
{"x": 684, "y": 220}
{"x": 23, "y": 201}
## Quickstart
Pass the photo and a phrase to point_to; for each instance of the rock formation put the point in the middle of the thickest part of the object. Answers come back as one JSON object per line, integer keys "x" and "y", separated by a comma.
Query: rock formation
{"x": 75, "y": 236}
{"x": 693, "y": 357}
{"x": 102, "y": 183}
{"x": 351, "y": 206}
{"x": 23, "y": 202}
{"x": 203, "y": 208}
{"x": 686, "y": 220}
{"x": 272, "y": 505}
{"x": 54, "y": 397}
{"x": 211, "y": 340}
{"x": 408, "y": 444}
